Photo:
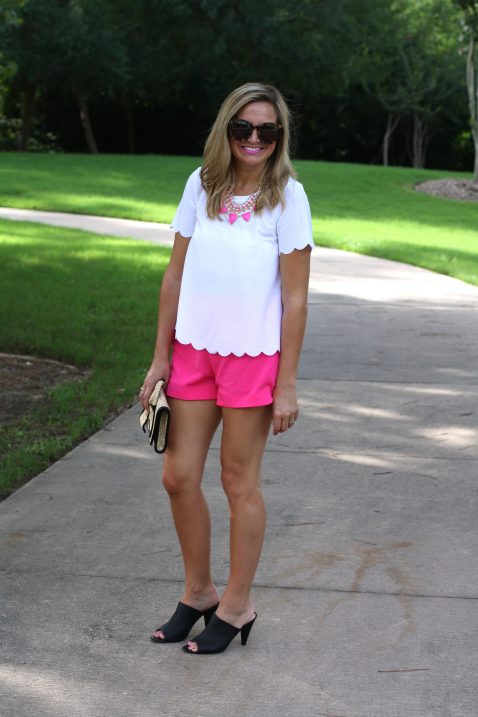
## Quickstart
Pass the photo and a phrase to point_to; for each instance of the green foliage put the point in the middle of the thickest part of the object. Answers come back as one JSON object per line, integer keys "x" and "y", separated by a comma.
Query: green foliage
{"x": 10, "y": 11}
{"x": 166, "y": 66}
{"x": 470, "y": 14}
{"x": 39, "y": 141}
{"x": 409, "y": 61}
{"x": 9, "y": 17}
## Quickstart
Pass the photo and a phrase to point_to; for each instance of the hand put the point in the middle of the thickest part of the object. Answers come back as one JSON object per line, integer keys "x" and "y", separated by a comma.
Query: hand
{"x": 158, "y": 369}
{"x": 285, "y": 410}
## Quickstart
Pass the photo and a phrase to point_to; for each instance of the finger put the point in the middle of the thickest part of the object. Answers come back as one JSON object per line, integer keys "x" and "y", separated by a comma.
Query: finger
{"x": 285, "y": 425}
{"x": 144, "y": 395}
{"x": 281, "y": 425}
{"x": 276, "y": 423}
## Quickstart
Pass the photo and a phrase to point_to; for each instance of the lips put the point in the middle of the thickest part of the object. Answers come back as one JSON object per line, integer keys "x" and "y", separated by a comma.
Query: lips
{"x": 251, "y": 150}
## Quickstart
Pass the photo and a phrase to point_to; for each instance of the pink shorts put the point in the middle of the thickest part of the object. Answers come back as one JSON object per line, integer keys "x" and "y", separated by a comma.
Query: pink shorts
{"x": 232, "y": 381}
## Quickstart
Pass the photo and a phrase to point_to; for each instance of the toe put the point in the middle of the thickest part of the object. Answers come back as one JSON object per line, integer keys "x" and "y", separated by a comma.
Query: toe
{"x": 160, "y": 634}
{"x": 192, "y": 646}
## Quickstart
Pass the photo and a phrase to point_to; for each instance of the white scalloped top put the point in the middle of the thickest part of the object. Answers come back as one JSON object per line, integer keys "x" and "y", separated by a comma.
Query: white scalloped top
{"x": 230, "y": 298}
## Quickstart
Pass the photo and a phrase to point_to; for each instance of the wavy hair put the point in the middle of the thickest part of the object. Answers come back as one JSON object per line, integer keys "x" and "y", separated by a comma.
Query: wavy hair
{"x": 217, "y": 173}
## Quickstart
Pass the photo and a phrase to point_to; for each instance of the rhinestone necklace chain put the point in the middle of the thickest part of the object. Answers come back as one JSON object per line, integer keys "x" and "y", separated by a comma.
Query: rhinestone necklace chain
{"x": 235, "y": 210}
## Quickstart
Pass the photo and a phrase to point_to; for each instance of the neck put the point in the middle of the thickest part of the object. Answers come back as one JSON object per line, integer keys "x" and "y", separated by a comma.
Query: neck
{"x": 247, "y": 179}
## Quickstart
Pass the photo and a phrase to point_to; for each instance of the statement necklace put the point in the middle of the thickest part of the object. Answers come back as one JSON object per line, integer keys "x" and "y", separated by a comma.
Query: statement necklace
{"x": 243, "y": 210}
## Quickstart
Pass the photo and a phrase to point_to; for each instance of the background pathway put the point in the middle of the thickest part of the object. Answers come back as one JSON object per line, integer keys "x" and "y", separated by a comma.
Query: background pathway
{"x": 367, "y": 589}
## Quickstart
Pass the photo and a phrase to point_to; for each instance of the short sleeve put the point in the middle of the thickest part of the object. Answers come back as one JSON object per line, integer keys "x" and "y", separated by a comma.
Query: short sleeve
{"x": 185, "y": 218}
{"x": 294, "y": 225}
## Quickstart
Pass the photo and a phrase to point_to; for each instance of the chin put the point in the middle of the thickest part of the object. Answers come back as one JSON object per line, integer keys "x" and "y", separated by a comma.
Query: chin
{"x": 251, "y": 159}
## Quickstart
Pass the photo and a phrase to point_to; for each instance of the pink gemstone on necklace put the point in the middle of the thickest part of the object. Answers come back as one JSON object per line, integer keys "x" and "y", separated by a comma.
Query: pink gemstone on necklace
{"x": 244, "y": 210}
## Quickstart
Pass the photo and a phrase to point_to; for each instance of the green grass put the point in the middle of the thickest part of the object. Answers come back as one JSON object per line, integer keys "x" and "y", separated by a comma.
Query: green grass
{"x": 86, "y": 300}
{"x": 366, "y": 209}
{"x": 376, "y": 211}
{"x": 143, "y": 187}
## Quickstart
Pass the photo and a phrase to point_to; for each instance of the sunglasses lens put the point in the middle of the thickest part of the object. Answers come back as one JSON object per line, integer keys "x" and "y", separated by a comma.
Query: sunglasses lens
{"x": 269, "y": 132}
{"x": 240, "y": 129}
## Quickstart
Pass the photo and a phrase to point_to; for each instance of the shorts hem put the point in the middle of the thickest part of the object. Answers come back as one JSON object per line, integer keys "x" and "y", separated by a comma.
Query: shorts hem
{"x": 186, "y": 396}
{"x": 249, "y": 404}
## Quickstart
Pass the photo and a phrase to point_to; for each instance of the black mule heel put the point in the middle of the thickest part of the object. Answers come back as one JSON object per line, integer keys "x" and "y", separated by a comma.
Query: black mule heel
{"x": 218, "y": 635}
{"x": 246, "y": 630}
{"x": 181, "y": 623}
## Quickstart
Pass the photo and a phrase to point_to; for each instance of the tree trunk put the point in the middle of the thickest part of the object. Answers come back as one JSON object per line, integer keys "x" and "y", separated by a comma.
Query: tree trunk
{"x": 85, "y": 120}
{"x": 392, "y": 124}
{"x": 472, "y": 86}
{"x": 475, "y": 171}
{"x": 419, "y": 140}
{"x": 28, "y": 103}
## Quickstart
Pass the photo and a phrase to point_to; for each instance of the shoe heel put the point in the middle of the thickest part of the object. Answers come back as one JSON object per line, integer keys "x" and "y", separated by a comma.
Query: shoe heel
{"x": 209, "y": 613}
{"x": 246, "y": 630}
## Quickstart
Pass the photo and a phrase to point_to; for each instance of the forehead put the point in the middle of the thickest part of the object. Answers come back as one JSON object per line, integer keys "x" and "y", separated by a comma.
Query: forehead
{"x": 258, "y": 112}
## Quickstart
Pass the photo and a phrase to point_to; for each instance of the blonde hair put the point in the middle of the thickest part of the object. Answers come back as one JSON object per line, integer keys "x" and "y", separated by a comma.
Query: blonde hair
{"x": 217, "y": 173}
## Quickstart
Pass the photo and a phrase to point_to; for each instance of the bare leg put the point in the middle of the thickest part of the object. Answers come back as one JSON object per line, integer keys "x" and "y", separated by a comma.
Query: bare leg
{"x": 193, "y": 424}
{"x": 243, "y": 442}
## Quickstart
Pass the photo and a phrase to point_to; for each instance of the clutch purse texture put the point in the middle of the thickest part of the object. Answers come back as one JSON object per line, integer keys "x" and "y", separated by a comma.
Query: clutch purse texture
{"x": 154, "y": 420}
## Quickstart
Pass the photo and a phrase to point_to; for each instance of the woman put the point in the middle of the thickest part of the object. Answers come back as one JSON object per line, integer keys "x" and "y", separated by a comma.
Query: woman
{"x": 233, "y": 308}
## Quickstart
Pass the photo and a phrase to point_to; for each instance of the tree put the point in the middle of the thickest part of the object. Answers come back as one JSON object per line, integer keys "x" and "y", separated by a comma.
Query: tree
{"x": 9, "y": 17}
{"x": 32, "y": 44}
{"x": 64, "y": 45}
{"x": 431, "y": 63}
{"x": 408, "y": 62}
{"x": 360, "y": 77}
{"x": 470, "y": 16}
{"x": 92, "y": 56}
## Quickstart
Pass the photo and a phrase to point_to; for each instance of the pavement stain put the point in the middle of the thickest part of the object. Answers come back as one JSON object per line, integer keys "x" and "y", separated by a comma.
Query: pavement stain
{"x": 313, "y": 564}
{"x": 13, "y": 537}
{"x": 370, "y": 557}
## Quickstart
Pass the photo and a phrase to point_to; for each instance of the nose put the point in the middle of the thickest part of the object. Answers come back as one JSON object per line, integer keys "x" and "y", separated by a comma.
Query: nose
{"x": 254, "y": 136}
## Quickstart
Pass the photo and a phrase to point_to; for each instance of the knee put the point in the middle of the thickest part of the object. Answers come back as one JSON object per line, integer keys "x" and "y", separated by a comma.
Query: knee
{"x": 239, "y": 484}
{"x": 175, "y": 479}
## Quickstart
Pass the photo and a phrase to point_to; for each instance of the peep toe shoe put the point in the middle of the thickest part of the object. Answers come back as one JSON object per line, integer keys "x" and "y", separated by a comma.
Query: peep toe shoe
{"x": 218, "y": 635}
{"x": 180, "y": 624}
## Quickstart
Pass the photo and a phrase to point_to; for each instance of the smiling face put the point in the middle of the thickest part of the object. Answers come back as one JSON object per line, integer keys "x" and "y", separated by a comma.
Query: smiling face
{"x": 251, "y": 152}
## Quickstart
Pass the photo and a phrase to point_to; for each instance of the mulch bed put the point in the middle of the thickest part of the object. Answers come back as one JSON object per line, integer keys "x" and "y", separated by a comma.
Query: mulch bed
{"x": 26, "y": 380}
{"x": 461, "y": 189}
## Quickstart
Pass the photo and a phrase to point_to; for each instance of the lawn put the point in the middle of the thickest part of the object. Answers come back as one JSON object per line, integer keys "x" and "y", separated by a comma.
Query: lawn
{"x": 92, "y": 301}
{"x": 86, "y": 300}
{"x": 367, "y": 209}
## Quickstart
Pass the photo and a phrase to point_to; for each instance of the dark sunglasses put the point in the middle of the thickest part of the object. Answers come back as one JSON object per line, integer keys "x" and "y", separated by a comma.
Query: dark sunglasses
{"x": 241, "y": 129}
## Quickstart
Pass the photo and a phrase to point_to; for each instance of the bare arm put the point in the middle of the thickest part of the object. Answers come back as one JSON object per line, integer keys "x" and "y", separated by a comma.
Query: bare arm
{"x": 167, "y": 312}
{"x": 294, "y": 270}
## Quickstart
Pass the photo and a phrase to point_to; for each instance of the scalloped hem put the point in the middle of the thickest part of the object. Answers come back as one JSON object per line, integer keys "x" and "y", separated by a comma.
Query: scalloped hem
{"x": 229, "y": 353}
{"x": 176, "y": 228}
{"x": 306, "y": 243}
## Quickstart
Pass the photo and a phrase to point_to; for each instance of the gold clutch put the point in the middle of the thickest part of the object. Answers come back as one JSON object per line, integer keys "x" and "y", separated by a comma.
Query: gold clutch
{"x": 154, "y": 420}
